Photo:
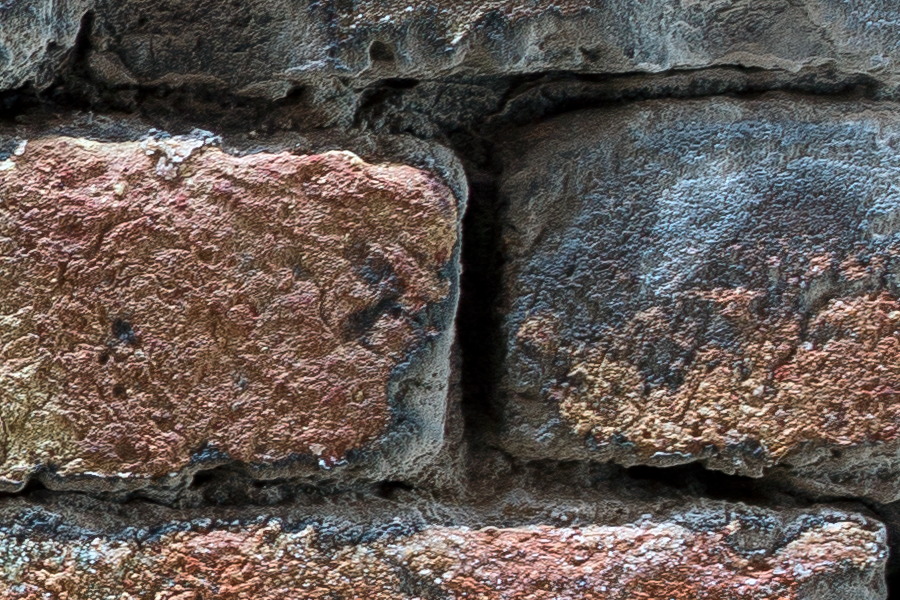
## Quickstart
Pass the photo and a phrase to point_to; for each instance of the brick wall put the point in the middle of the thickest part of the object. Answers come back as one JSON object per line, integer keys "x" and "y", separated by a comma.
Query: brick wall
{"x": 489, "y": 300}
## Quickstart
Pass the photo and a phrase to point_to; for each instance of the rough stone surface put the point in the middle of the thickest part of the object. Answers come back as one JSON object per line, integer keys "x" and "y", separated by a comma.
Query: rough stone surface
{"x": 266, "y": 49}
{"x": 35, "y": 38}
{"x": 165, "y": 305}
{"x": 273, "y": 46}
{"x": 725, "y": 553}
{"x": 708, "y": 280}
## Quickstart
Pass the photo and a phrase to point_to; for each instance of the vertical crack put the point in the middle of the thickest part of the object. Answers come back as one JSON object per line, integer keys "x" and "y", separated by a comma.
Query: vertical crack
{"x": 479, "y": 313}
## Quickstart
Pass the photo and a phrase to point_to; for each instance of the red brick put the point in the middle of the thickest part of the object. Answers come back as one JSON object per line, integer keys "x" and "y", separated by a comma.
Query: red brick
{"x": 164, "y": 302}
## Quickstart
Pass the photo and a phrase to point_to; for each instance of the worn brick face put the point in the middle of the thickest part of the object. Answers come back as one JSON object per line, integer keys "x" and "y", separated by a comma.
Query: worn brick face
{"x": 729, "y": 553}
{"x": 163, "y": 302}
{"x": 155, "y": 43}
{"x": 680, "y": 290}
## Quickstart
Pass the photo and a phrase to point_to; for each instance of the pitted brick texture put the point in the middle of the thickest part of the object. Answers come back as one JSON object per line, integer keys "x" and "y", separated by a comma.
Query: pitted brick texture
{"x": 740, "y": 554}
{"x": 163, "y": 301}
{"x": 709, "y": 280}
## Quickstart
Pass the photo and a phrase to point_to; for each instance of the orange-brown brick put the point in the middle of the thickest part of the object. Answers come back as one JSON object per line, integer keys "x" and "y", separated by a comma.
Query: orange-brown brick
{"x": 717, "y": 553}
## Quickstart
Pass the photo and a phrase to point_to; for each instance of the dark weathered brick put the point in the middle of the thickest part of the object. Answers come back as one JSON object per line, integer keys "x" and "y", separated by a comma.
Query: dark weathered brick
{"x": 708, "y": 280}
